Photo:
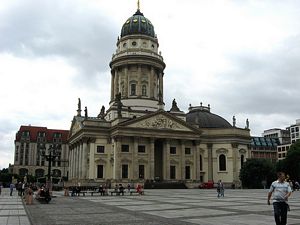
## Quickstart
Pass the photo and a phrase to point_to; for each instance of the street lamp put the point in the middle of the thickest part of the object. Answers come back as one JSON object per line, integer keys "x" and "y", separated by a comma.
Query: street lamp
{"x": 52, "y": 153}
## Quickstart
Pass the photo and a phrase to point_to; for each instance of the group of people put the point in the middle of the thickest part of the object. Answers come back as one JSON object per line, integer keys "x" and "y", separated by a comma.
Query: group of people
{"x": 24, "y": 190}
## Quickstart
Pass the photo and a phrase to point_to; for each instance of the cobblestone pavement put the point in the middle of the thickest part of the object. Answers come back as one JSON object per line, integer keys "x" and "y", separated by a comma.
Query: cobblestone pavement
{"x": 189, "y": 206}
{"x": 12, "y": 210}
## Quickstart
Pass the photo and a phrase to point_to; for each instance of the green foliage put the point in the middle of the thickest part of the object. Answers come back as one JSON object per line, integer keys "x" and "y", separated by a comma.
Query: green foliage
{"x": 31, "y": 179}
{"x": 255, "y": 172}
{"x": 291, "y": 164}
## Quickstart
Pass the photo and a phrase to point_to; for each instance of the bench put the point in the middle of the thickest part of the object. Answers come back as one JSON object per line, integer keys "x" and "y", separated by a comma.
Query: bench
{"x": 116, "y": 192}
{"x": 135, "y": 192}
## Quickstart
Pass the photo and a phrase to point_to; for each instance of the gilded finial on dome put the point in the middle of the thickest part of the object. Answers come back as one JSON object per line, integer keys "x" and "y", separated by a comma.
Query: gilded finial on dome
{"x": 138, "y": 5}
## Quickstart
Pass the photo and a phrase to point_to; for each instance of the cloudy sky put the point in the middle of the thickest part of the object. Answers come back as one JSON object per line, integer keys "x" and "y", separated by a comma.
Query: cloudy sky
{"x": 239, "y": 56}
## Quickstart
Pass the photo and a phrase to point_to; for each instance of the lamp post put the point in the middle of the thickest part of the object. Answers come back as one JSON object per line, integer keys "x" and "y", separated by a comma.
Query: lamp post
{"x": 53, "y": 152}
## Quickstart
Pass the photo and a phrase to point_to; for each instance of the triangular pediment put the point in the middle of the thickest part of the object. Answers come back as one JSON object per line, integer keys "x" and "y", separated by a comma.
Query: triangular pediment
{"x": 76, "y": 125}
{"x": 161, "y": 121}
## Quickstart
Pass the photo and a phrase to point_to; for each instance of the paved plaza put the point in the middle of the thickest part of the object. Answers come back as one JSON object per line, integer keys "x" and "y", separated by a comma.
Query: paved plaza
{"x": 188, "y": 206}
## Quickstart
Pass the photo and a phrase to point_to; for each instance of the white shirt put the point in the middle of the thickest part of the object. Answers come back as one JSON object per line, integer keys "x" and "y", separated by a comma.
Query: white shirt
{"x": 280, "y": 190}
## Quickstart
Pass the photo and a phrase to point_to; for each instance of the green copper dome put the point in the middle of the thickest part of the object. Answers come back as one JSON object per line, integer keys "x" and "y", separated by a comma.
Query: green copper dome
{"x": 137, "y": 24}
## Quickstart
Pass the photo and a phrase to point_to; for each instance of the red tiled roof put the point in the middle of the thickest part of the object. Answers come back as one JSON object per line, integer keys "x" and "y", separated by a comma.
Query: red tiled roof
{"x": 34, "y": 130}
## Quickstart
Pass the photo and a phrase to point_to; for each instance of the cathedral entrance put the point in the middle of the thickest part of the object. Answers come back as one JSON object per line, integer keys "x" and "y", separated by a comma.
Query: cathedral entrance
{"x": 158, "y": 160}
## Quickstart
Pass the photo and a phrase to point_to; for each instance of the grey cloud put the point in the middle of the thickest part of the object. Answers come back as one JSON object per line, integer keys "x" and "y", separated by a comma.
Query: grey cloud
{"x": 81, "y": 35}
{"x": 264, "y": 83}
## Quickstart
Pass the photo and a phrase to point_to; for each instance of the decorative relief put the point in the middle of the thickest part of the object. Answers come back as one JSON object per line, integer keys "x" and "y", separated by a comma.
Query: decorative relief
{"x": 173, "y": 161}
{"x": 160, "y": 122}
{"x": 100, "y": 161}
{"x": 188, "y": 162}
{"x": 222, "y": 151}
{"x": 242, "y": 151}
{"x": 143, "y": 161}
{"x": 76, "y": 127}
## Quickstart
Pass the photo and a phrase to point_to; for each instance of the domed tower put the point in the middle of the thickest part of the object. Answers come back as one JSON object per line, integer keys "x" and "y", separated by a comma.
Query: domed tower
{"x": 137, "y": 67}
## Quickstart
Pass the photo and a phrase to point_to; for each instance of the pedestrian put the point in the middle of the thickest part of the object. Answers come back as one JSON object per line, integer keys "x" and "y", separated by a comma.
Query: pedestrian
{"x": 281, "y": 191}
{"x": 220, "y": 189}
{"x": 0, "y": 188}
{"x": 11, "y": 188}
{"x": 128, "y": 187}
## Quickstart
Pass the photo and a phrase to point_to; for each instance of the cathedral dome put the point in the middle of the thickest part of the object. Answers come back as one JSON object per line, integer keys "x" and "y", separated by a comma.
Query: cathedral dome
{"x": 138, "y": 24}
{"x": 202, "y": 117}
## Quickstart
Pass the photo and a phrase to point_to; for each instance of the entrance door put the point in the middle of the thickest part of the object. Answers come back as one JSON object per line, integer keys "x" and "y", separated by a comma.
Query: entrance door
{"x": 158, "y": 160}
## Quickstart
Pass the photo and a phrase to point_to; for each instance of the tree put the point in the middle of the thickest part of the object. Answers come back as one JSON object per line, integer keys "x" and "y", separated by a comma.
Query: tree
{"x": 257, "y": 173}
{"x": 291, "y": 164}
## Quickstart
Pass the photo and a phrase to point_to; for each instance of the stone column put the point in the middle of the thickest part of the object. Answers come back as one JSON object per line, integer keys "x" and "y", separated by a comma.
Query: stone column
{"x": 84, "y": 159}
{"x": 116, "y": 91}
{"x": 112, "y": 81}
{"x": 77, "y": 161}
{"x": 151, "y": 88}
{"x": 139, "y": 84}
{"x": 135, "y": 163}
{"x": 117, "y": 164}
{"x": 70, "y": 163}
{"x": 74, "y": 160}
{"x": 80, "y": 160}
{"x": 197, "y": 152}
{"x": 160, "y": 84}
{"x": 126, "y": 83}
{"x": 194, "y": 168}
{"x": 166, "y": 159}
{"x": 151, "y": 161}
{"x": 234, "y": 161}
{"x": 182, "y": 162}
{"x": 210, "y": 161}
{"x": 92, "y": 160}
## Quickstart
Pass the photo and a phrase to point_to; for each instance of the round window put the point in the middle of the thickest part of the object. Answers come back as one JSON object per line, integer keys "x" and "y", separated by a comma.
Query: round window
{"x": 133, "y": 43}
{"x": 124, "y": 45}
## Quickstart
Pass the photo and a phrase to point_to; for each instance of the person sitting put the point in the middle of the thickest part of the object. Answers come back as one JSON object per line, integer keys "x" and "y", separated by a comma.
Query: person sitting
{"x": 139, "y": 189}
{"x": 101, "y": 190}
{"x": 121, "y": 189}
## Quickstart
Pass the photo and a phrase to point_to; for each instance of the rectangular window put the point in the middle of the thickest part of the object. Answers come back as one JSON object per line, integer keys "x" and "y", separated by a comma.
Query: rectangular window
{"x": 99, "y": 171}
{"x": 100, "y": 149}
{"x": 125, "y": 171}
{"x": 141, "y": 171}
{"x": 141, "y": 148}
{"x": 133, "y": 89}
{"x": 172, "y": 172}
{"x": 125, "y": 148}
{"x": 187, "y": 172}
{"x": 187, "y": 151}
{"x": 172, "y": 150}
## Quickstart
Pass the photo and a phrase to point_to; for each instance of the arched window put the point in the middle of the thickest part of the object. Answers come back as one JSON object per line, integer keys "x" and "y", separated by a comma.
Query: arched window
{"x": 133, "y": 89}
{"x": 144, "y": 90}
{"x": 23, "y": 172}
{"x": 56, "y": 173}
{"x": 242, "y": 160}
{"x": 201, "y": 163}
{"x": 222, "y": 162}
{"x": 39, "y": 172}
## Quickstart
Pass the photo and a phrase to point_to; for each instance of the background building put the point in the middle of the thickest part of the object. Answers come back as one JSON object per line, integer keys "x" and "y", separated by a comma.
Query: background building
{"x": 282, "y": 135}
{"x": 30, "y": 142}
{"x": 294, "y": 130}
{"x": 286, "y": 137}
{"x": 264, "y": 148}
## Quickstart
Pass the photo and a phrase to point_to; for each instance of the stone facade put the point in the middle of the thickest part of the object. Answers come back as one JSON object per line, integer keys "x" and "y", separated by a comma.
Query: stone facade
{"x": 29, "y": 143}
{"x": 136, "y": 140}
